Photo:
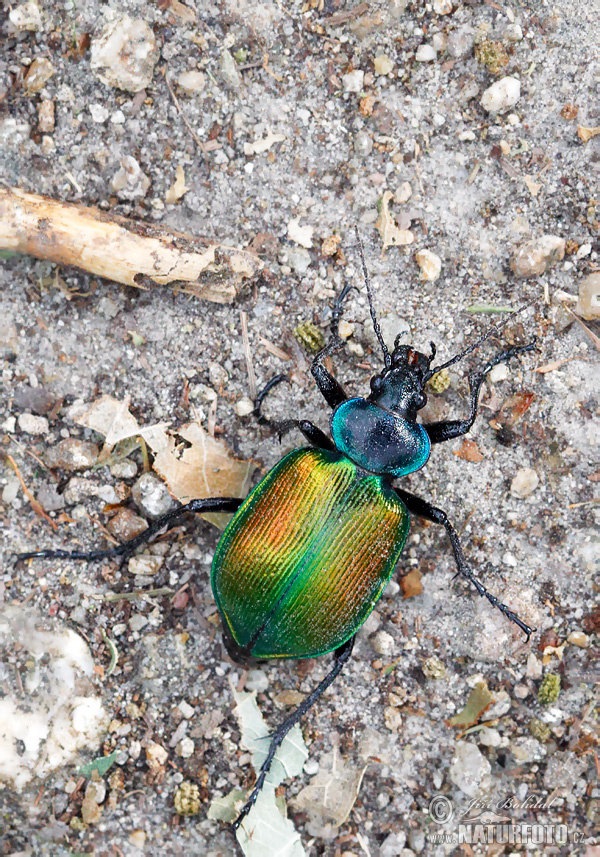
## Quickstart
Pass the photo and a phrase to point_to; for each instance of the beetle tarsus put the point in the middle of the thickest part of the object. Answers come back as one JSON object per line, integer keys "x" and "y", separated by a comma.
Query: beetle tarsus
{"x": 342, "y": 655}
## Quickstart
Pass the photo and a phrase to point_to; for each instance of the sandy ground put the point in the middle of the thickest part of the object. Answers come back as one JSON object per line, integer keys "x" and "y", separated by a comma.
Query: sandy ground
{"x": 362, "y": 99}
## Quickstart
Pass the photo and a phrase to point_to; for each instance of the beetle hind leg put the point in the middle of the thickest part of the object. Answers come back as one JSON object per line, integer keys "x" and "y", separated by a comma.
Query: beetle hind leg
{"x": 423, "y": 509}
{"x": 342, "y": 655}
{"x": 125, "y": 550}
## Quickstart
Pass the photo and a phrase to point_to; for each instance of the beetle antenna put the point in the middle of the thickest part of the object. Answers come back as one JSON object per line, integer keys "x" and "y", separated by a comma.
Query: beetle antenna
{"x": 386, "y": 354}
{"x": 495, "y": 328}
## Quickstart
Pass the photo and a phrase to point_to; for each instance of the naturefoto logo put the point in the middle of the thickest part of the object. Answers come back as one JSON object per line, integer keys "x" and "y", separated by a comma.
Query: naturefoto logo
{"x": 485, "y": 822}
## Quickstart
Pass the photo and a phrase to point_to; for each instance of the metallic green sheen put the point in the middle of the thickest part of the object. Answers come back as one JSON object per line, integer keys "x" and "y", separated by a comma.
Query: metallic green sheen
{"x": 308, "y": 554}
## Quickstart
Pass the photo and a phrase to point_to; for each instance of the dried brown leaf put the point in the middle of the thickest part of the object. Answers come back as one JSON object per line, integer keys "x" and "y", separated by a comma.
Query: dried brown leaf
{"x": 469, "y": 451}
{"x": 391, "y": 235}
{"x": 410, "y": 584}
{"x": 204, "y": 469}
{"x": 479, "y": 701}
{"x": 178, "y": 188}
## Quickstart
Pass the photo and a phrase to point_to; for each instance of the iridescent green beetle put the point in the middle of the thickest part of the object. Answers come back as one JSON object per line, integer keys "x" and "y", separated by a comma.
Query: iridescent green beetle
{"x": 309, "y": 552}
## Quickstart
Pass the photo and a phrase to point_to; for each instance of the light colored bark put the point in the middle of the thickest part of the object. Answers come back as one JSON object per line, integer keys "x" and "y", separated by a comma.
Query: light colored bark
{"x": 130, "y": 252}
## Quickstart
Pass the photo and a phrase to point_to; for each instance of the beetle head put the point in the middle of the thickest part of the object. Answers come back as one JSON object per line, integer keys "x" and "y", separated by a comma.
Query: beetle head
{"x": 400, "y": 387}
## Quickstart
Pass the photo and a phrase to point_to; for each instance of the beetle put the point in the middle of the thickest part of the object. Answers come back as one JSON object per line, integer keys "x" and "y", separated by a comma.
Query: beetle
{"x": 309, "y": 552}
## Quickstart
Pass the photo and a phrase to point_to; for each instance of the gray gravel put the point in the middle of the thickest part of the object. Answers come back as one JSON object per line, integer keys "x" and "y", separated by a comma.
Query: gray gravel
{"x": 481, "y": 186}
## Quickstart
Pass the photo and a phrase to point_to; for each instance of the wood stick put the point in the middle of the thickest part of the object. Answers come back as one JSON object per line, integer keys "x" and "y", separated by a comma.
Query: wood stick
{"x": 127, "y": 251}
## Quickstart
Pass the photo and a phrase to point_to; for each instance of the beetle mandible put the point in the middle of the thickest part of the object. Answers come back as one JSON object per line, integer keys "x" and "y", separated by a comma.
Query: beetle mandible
{"x": 307, "y": 555}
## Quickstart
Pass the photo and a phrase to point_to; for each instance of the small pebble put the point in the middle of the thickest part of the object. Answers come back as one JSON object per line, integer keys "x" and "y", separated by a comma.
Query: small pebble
{"x": 33, "y": 424}
{"x": 257, "y": 680}
{"x": 538, "y": 256}
{"x": 299, "y": 259}
{"x": 430, "y": 265}
{"x": 126, "y": 525}
{"x": 217, "y": 375}
{"x": 130, "y": 182}
{"x": 470, "y": 770}
{"x": 151, "y": 495}
{"x": 138, "y": 839}
{"x": 434, "y": 668}
{"x": 39, "y": 73}
{"x": 527, "y": 749}
{"x": 490, "y": 737}
{"x": 392, "y": 845}
{"x": 345, "y": 329}
{"x": 145, "y": 564}
{"x": 383, "y": 64}
{"x": 404, "y": 193}
{"x": 578, "y": 638}
{"x": 500, "y": 372}
{"x": 502, "y": 95}
{"x": 99, "y": 113}
{"x": 588, "y": 303}
{"x": 521, "y": 691}
{"x": 442, "y": 7}
{"x": 244, "y": 407}
{"x": 124, "y": 469}
{"x": 191, "y": 82}
{"x": 383, "y": 643}
{"x": 186, "y": 709}
{"x": 460, "y": 42}
{"x": 392, "y": 718}
{"x": 27, "y": 16}
{"x": 72, "y": 454}
{"x": 46, "y": 116}
{"x": 229, "y": 71}
{"x": 302, "y": 235}
{"x": 363, "y": 143}
{"x": 500, "y": 706}
{"x": 185, "y": 748}
{"x": 137, "y": 622}
{"x": 524, "y": 482}
{"x": 425, "y": 53}
{"x": 124, "y": 54}
{"x": 353, "y": 81}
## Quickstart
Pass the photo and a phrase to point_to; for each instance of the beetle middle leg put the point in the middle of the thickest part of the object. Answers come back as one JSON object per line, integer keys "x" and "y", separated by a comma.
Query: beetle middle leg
{"x": 209, "y": 504}
{"x": 341, "y": 655}
{"x": 422, "y": 509}
{"x": 311, "y": 432}
{"x": 448, "y": 429}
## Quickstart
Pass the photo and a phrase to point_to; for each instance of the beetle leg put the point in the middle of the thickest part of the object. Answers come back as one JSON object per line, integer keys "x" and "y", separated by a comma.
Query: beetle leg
{"x": 423, "y": 509}
{"x": 448, "y": 429}
{"x": 314, "y": 435}
{"x": 331, "y": 389}
{"x": 210, "y": 504}
{"x": 342, "y": 655}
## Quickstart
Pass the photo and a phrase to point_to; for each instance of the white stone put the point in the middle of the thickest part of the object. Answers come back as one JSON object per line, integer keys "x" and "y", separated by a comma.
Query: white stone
{"x": 502, "y": 95}
{"x": 99, "y": 113}
{"x": 33, "y": 424}
{"x": 513, "y": 33}
{"x": 588, "y": 303}
{"x": 537, "y": 256}
{"x": 185, "y": 748}
{"x": 383, "y": 64}
{"x": 186, "y": 709}
{"x": 490, "y": 737}
{"x": 470, "y": 770}
{"x": 500, "y": 372}
{"x": 404, "y": 193}
{"x": 442, "y": 7}
{"x": 425, "y": 53}
{"x": 524, "y": 482}
{"x": 27, "y": 16}
{"x": 383, "y": 643}
{"x": 300, "y": 234}
{"x": 430, "y": 265}
{"x": 130, "y": 182}
{"x": 125, "y": 53}
{"x": 583, "y": 251}
{"x": 257, "y": 680}
{"x": 191, "y": 82}
{"x": 353, "y": 81}
{"x": 244, "y": 407}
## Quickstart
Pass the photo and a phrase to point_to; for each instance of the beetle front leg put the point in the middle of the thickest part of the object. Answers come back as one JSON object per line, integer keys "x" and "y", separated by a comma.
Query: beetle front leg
{"x": 342, "y": 655}
{"x": 423, "y": 509}
{"x": 209, "y": 504}
{"x": 448, "y": 429}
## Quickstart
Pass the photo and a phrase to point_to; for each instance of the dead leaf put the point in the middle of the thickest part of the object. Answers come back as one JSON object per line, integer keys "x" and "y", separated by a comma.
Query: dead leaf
{"x": 178, "y": 188}
{"x": 479, "y": 701}
{"x": 332, "y": 792}
{"x": 469, "y": 451}
{"x": 262, "y": 144}
{"x": 513, "y": 409}
{"x": 410, "y": 584}
{"x": 534, "y": 187}
{"x": 112, "y": 418}
{"x": 586, "y": 134}
{"x": 205, "y": 468}
{"x": 391, "y": 235}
